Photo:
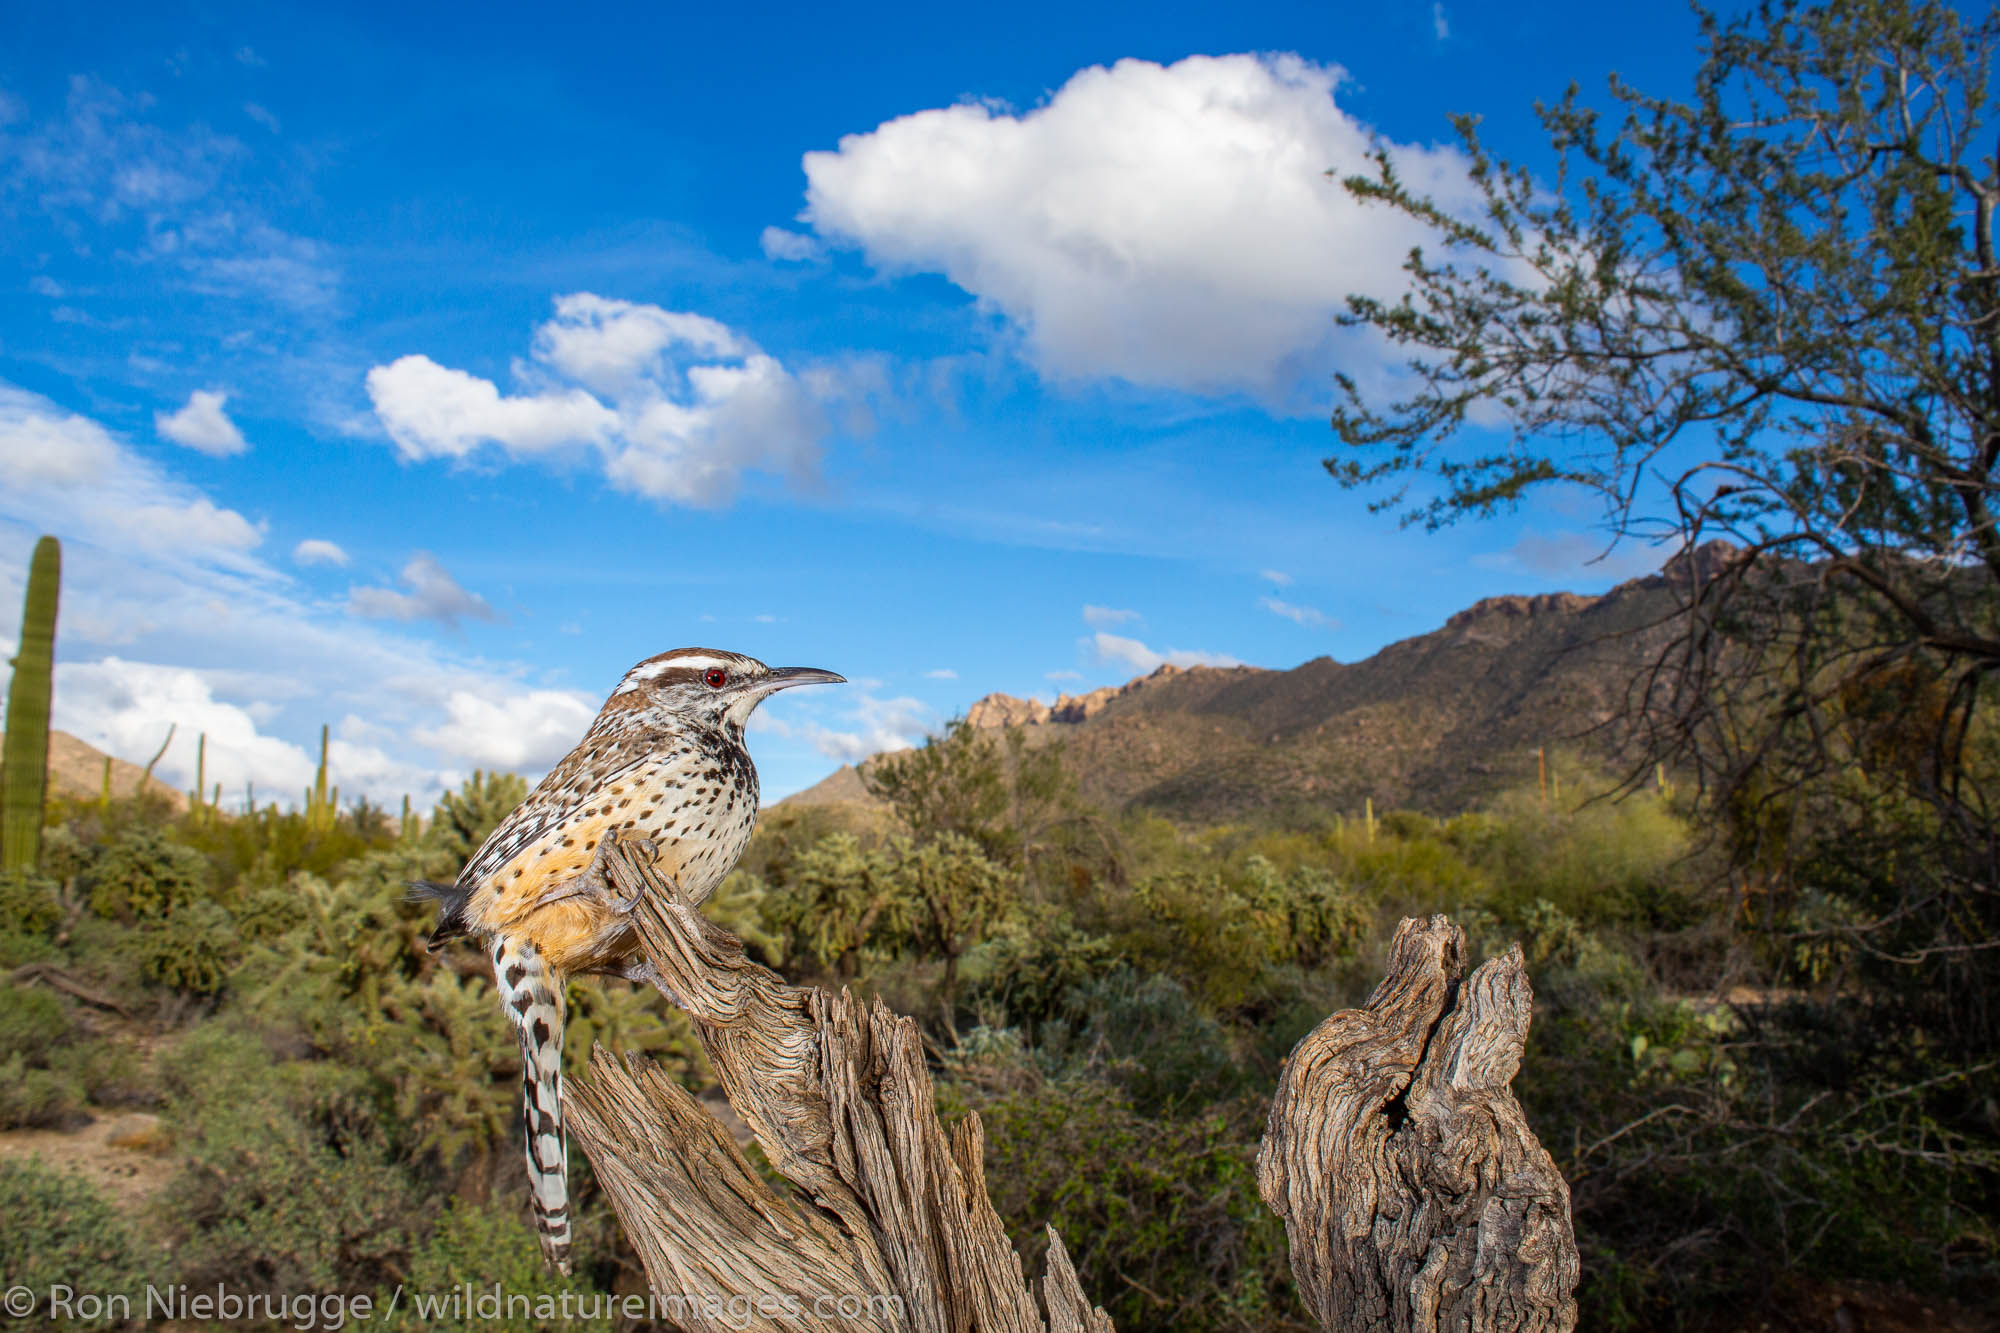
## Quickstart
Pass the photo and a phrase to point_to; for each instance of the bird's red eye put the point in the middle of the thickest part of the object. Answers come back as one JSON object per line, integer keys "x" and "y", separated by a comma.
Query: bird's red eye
{"x": 716, "y": 677}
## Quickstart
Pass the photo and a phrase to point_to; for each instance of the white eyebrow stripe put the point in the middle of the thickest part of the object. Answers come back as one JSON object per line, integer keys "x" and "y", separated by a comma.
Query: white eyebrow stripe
{"x": 687, "y": 661}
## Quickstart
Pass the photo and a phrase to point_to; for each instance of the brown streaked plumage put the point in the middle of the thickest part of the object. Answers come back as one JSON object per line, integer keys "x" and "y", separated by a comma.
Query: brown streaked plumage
{"x": 664, "y": 763}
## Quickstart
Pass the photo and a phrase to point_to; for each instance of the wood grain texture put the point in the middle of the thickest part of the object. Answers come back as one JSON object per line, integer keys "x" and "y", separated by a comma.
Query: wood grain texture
{"x": 837, "y": 1094}
{"x": 1414, "y": 1195}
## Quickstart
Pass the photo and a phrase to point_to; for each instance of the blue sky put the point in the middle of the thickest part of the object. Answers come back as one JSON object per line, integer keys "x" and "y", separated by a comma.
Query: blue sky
{"x": 417, "y": 371}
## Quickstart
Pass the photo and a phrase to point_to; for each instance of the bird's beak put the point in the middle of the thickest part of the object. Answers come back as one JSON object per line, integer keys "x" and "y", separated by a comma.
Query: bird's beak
{"x": 783, "y": 678}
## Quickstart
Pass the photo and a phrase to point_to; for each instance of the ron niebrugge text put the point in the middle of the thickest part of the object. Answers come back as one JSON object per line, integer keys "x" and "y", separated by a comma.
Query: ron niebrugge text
{"x": 461, "y": 1304}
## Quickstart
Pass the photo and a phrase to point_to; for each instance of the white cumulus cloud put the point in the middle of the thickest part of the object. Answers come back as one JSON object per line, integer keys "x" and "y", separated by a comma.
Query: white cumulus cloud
{"x": 1171, "y": 226}
{"x": 1116, "y": 649}
{"x": 202, "y": 425}
{"x": 125, "y": 708}
{"x": 319, "y": 551}
{"x": 675, "y": 405}
{"x": 517, "y": 732}
{"x": 433, "y": 595}
{"x": 432, "y": 411}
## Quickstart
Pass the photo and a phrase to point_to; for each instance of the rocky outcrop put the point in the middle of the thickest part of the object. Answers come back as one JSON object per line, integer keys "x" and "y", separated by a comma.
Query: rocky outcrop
{"x": 1004, "y": 710}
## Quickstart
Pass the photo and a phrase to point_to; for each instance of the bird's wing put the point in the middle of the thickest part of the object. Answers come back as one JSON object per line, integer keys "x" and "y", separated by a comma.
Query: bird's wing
{"x": 555, "y": 799}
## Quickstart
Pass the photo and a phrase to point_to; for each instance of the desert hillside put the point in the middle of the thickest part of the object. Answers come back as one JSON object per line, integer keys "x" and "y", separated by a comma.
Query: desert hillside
{"x": 1434, "y": 722}
{"x": 76, "y": 771}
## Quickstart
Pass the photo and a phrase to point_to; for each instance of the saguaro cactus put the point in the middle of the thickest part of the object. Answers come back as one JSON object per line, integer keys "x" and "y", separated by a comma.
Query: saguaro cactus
{"x": 24, "y": 767}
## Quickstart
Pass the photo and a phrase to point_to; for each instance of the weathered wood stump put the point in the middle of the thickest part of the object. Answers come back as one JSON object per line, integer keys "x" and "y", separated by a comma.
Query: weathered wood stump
{"x": 1413, "y": 1192}
{"x": 889, "y": 1225}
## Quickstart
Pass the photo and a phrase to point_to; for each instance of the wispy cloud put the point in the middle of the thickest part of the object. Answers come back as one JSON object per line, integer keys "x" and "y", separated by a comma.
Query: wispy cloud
{"x": 1575, "y": 556}
{"x": 171, "y": 616}
{"x": 789, "y": 247}
{"x": 1440, "y": 21}
{"x": 186, "y": 199}
{"x": 1304, "y": 615}
{"x": 1278, "y": 577}
{"x": 873, "y": 725}
{"x": 1101, "y": 616}
{"x": 65, "y": 472}
{"x": 433, "y": 595}
{"x": 942, "y": 673}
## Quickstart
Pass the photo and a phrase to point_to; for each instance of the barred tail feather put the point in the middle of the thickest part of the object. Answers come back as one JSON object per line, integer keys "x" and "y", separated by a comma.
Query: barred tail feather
{"x": 532, "y": 995}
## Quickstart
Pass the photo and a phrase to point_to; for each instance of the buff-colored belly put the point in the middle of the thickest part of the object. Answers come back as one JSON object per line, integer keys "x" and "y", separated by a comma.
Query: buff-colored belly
{"x": 584, "y": 933}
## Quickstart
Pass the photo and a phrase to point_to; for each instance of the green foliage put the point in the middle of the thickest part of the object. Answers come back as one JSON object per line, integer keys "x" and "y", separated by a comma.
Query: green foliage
{"x": 143, "y": 875}
{"x": 955, "y": 896}
{"x": 1148, "y": 1036}
{"x": 1161, "y": 1217}
{"x": 33, "y": 1022}
{"x": 194, "y": 950}
{"x": 487, "y": 1246}
{"x": 1017, "y": 802}
{"x": 290, "y": 1183}
{"x": 24, "y": 754}
{"x": 1028, "y": 973}
{"x": 56, "y": 1229}
{"x": 463, "y": 818}
{"x": 50, "y": 1064}
{"x": 29, "y": 914}
{"x": 839, "y": 900}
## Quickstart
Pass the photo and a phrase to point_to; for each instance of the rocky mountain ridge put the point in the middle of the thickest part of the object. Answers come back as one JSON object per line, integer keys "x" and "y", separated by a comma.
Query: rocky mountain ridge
{"x": 1438, "y": 722}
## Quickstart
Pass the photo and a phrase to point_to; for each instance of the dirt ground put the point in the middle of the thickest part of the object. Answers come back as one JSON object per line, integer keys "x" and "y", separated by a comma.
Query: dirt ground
{"x": 120, "y": 1152}
{"x": 1861, "y": 1307}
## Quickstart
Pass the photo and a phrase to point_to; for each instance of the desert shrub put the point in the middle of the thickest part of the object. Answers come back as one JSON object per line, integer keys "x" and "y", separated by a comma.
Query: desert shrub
{"x": 35, "y": 1098}
{"x": 1146, "y": 1035}
{"x": 484, "y": 1246}
{"x": 840, "y": 899}
{"x": 33, "y": 1022}
{"x": 1600, "y": 860}
{"x": 28, "y": 903}
{"x": 144, "y": 875}
{"x": 29, "y": 915}
{"x": 290, "y": 1182}
{"x": 193, "y": 950}
{"x": 35, "y": 1025}
{"x": 1024, "y": 976}
{"x": 56, "y": 1229}
{"x": 1161, "y": 1217}
{"x": 105, "y": 1072}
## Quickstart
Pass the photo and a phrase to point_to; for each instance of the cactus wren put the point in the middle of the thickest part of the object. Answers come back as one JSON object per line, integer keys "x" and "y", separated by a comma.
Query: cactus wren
{"x": 664, "y": 763}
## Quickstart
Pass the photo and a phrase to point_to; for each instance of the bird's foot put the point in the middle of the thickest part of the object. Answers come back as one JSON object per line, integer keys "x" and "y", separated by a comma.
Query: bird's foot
{"x": 641, "y": 972}
{"x": 595, "y": 883}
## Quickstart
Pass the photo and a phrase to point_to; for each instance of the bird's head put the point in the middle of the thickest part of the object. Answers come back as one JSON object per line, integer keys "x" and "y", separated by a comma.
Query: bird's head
{"x": 710, "y": 687}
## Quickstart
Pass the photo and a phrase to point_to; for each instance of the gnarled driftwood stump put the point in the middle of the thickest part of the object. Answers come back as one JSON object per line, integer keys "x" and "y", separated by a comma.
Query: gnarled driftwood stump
{"x": 890, "y": 1227}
